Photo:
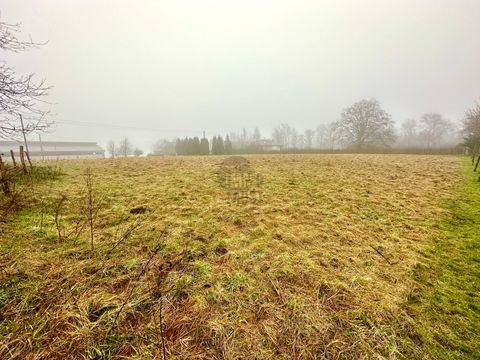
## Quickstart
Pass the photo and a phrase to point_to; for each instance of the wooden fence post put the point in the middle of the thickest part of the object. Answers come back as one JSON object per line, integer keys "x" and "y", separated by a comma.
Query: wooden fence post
{"x": 13, "y": 159}
{"x": 22, "y": 159}
{"x": 3, "y": 178}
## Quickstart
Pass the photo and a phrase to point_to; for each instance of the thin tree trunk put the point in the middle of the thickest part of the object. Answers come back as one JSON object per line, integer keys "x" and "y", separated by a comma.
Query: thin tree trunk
{"x": 474, "y": 152}
{"x": 476, "y": 164}
{"x": 3, "y": 178}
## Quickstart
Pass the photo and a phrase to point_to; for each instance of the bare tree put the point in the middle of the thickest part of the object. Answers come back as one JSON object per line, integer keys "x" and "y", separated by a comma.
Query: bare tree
{"x": 256, "y": 135}
{"x": 471, "y": 133}
{"x": 309, "y": 135}
{"x": 167, "y": 147}
{"x": 365, "y": 124}
{"x": 244, "y": 136}
{"x": 125, "y": 147}
{"x": 111, "y": 148}
{"x": 137, "y": 152}
{"x": 325, "y": 136}
{"x": 471, "y": 127}
{"x": 19, "y": 95}
{"x": 301, "y": 142}
{"x": 409, "y": 132}
{"x": 293, "y": 138}
{"x": 434, "y": 128}
{"x": 282, "y": 135}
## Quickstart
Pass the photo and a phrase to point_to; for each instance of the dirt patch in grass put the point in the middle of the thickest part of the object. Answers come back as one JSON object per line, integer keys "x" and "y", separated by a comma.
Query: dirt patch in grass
{"x": 319, "y": 268}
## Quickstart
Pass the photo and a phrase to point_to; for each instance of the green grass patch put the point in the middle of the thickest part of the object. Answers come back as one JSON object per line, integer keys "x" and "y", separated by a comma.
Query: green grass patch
{"x": 445, "y": 306}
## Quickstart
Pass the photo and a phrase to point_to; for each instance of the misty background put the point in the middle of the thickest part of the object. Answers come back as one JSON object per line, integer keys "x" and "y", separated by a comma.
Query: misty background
{"x": 161, "y": 69}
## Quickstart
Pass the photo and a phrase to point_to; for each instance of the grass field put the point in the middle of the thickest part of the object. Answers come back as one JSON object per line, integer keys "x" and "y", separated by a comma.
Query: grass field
{"x": 344, "y": 257}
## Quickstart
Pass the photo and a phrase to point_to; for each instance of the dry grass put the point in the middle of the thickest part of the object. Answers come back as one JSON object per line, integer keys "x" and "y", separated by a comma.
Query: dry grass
{"x": 318, "y": 269}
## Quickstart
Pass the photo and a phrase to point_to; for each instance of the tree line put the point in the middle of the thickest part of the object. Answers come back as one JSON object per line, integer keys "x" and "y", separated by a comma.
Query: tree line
{"x": 123, "y": 148}
{"x": 366, "y": 125}
{"x": 196, "y": 146}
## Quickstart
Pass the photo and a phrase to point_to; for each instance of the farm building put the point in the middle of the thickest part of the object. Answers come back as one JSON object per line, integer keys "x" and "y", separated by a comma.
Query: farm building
{"x": 267, "y": 145}
{"x": 52, "y": 150}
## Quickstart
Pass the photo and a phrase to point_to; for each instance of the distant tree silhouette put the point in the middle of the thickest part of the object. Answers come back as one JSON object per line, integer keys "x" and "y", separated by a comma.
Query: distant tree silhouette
{"x": 256, "y": 135}
{"x": 228, "y": 146}
{"x": 125, "y": 147}
{"x": 434, "y": 127}
{"x": 112, "y": 148}
{"x": 282, "y": 135}
{"x": 196, "y": 148}
{"x": 204, "y": 146}
{"x": 192, "y": 146}
{"x": 220, "y": 145}
{"x": 214, "y": 146}
{"x": 471, "y": 127}
{"x": 409, "y": 132}
{"x": 165, "y": 147}
{"x": 309, "y": 135}
{"x": 178, "y": 146}
{"x": 365, "y": 124}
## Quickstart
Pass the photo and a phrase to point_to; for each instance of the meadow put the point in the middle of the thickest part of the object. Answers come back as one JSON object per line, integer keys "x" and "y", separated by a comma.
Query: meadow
{"x": 343, "y": 257}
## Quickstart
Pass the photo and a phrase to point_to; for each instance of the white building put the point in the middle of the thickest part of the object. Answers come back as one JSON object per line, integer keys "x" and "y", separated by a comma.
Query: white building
{"x": 52, "y": 150}
{"x": 267, "y": 145}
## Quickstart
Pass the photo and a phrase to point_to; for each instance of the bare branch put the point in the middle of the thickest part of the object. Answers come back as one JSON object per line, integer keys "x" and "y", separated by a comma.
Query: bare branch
{"x": 9, "y": 40}
{"x": 19, "y": 95}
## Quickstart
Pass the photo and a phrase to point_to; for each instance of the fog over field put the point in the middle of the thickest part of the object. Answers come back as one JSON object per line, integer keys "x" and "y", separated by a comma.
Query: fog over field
{"x": 161, "y": 69}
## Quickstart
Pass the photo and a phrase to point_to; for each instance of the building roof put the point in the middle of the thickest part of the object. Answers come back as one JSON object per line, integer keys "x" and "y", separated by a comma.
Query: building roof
{"x": 53, "y": 148}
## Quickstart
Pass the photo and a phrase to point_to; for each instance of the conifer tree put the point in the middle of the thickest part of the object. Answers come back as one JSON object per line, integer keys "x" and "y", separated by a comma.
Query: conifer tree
{"x": 228, "y": 146}
{"x": 214, "y": 146}
{"x": 220, "y": 146}
{"x": 196, "y": 149}
{"x": 205, "y": 148}
{"x": 178, "y": 145}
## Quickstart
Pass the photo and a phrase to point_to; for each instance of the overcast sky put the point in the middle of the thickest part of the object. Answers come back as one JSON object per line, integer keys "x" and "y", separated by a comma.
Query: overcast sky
{"x": 152, "y": 69}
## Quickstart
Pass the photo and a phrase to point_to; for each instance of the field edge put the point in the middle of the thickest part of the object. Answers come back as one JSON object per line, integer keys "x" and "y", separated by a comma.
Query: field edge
{"x": 443, "y": 309}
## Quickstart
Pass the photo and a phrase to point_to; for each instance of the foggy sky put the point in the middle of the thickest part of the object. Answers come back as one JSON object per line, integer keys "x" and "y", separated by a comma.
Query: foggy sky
{"x": 152, "y": 69}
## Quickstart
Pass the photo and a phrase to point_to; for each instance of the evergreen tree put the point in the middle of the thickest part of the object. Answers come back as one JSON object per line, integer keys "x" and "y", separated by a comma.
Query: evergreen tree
{"x": 205, "y": 147}
{"x": 190, "y": 147}
{"x": 220, "y": 146}
{"x": 178, "y": 145}
{"x": 196, "y": 146}
{"x": 228, "y": 146}
{"x": 256, "y": 135}
{"x": 214, "y": 146}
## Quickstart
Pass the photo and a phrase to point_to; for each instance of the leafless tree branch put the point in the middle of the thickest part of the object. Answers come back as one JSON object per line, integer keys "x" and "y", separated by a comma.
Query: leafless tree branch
{"x": 20, "y": 95}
